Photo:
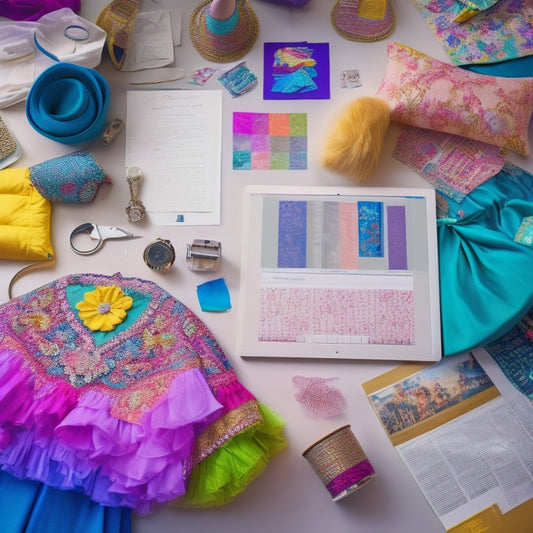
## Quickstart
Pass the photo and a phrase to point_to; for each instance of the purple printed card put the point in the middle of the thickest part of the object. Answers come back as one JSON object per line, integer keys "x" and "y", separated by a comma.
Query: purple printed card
{"x": 295, "y": 71}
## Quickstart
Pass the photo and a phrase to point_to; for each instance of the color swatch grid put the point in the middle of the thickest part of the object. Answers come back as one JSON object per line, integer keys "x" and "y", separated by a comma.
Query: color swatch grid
{"x": 269, "y": 141}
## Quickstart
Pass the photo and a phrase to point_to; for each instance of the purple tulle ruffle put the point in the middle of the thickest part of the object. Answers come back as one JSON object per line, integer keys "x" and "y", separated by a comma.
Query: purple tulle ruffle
{"x": 49, "y": 434}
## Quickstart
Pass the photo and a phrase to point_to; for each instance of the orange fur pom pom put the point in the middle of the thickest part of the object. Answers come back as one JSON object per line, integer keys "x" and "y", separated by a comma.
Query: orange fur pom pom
{"x": 353, "y": 147}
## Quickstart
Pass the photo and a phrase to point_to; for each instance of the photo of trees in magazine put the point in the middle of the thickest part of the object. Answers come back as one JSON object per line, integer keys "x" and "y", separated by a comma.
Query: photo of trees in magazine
{"x": 429, "y": 392}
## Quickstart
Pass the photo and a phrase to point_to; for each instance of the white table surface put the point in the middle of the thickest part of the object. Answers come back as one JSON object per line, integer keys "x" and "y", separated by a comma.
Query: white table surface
{"x": 288, "y": 496}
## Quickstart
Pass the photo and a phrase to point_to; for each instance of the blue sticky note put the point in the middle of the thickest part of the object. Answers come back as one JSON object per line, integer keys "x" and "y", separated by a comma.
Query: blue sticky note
{"x": 214, "y": 295}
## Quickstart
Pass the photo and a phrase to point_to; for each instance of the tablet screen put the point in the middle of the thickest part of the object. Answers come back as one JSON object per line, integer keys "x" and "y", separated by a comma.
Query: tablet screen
{"x": 339, "y": 273}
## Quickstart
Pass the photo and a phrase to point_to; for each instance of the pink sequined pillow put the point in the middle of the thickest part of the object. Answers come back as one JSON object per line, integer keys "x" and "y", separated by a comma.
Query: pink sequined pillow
{"x": 425, "y": 92}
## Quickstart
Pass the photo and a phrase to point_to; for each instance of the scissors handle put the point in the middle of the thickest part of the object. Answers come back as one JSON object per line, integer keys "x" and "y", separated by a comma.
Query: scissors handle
{"x": 94, "y": 234}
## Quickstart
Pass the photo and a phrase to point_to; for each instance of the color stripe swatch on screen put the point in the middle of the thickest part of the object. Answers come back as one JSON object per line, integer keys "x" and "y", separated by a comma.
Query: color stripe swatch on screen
{"x": 370, "y": 229}
{"x": 341, "y": 235}
{"x": 397, "y": 236}
{"x": 269, "y": 141}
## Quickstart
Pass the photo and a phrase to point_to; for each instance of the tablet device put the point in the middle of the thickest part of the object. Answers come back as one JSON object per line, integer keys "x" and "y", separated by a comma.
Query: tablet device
{"x": 339, "y": 273}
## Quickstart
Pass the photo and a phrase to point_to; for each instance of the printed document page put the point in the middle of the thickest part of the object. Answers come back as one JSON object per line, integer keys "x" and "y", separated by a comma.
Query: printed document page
{"x": 479, "y": 459}
{"x": 468, "y": 445}
{"x": 174, "y": 136}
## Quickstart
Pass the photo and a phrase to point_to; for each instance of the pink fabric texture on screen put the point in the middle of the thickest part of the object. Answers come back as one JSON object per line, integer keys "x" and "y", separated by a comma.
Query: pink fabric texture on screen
{"x": 378, "y": 316}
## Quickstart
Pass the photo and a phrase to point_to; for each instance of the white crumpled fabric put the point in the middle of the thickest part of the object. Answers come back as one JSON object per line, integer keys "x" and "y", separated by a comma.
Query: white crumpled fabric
{"x": 21, "y": 61}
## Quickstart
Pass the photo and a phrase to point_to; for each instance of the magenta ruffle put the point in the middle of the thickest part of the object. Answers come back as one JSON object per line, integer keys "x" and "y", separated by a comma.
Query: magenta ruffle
{"x": 34, "y": 9}
{"x": 232, "y": 395}
{"x": 51, "y": 435}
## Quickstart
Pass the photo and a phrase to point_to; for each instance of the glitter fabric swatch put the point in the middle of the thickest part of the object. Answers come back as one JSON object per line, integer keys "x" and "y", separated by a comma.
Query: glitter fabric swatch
{"x": 370, "y": 229}
{"x": 350, "y": 79}
{"x": 397, "y": 245}
{"x": 239, "y": 80}
{"x": 269, "y": 141}
{"x": 9, "y": 148}
{"x": 292, "y": 234}
{"x": 514, "y": 354}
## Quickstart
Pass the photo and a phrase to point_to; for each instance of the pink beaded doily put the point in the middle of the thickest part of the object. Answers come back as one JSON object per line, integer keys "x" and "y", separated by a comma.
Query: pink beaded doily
{"x": 317, "y": 397}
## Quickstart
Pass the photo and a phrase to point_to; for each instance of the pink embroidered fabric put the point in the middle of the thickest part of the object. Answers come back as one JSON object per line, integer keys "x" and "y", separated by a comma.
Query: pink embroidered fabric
{"x": 454, "y": 165}
{"x": 425, "y": 92}
{"x": 116, "y": 416}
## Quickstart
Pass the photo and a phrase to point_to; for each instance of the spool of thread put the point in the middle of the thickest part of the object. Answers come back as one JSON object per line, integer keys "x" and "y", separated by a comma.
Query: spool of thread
{"x": 340, "y": 462}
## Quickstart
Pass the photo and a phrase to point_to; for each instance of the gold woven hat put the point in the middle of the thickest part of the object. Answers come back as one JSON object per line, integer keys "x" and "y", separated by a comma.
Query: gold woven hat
{"x": 118, "y": 19}
{"x": 222, "y": 37}
{"x": 363, "y": 20}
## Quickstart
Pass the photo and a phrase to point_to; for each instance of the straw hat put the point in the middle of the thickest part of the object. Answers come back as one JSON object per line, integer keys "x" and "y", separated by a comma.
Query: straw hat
{"x": 118, "y": 20}
{"x": 223, "y": 30}
{"x": 363, "y": 20}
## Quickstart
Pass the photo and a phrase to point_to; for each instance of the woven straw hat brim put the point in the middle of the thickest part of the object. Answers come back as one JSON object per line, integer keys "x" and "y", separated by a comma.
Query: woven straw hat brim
{"x": 361, "y": 29}
{"x": 228, "y": 47}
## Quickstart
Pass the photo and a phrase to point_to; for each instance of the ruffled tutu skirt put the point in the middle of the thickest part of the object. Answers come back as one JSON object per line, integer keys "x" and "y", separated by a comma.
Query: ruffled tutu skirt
{"x": 149, "y": 413}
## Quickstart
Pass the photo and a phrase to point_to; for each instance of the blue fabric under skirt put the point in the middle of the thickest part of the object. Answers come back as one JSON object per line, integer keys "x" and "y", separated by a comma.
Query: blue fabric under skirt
{"x": 32, "y": 507}
{"x": 486, "y": 260}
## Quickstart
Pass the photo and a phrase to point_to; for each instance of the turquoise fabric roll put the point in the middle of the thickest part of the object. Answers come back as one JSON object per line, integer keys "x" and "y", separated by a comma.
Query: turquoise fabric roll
{"x": 486, "y": 261}
{"x": 68, "y": 103}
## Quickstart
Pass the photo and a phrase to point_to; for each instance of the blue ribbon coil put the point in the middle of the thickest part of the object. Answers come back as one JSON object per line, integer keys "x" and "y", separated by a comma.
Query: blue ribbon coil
{"x": 68, "y": 103}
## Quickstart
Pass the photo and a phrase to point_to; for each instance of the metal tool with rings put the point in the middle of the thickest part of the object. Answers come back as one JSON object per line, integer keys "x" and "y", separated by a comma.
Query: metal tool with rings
{"x": 97, "y": 234}
{"x": 135, "y": 210}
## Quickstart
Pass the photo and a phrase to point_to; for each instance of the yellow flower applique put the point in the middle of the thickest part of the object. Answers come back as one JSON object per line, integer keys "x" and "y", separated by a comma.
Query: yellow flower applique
{"x": 104, "y": 308}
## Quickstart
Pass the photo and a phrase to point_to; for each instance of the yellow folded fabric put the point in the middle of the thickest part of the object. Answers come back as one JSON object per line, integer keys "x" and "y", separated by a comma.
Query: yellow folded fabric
{"x": 24, "y": 218}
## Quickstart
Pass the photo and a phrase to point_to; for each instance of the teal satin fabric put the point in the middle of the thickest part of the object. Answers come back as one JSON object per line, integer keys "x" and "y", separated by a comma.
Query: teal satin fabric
{"x": 31, "y": 507}
{"x": 521, "y": 67}
{"x": 485, "y": 274}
